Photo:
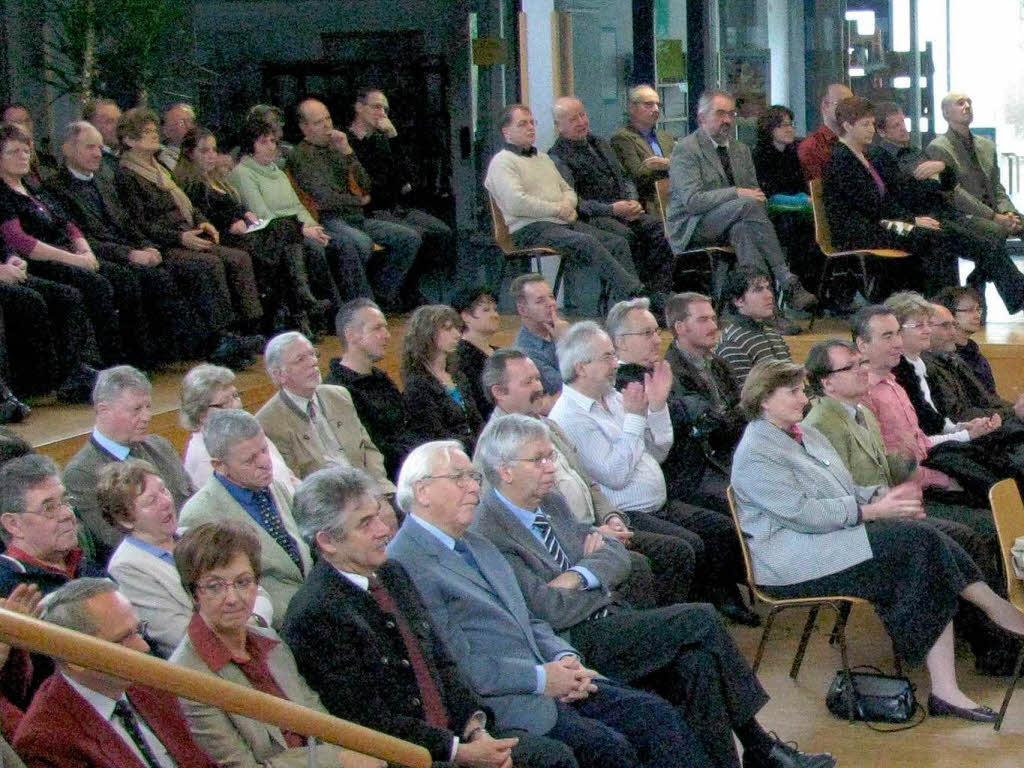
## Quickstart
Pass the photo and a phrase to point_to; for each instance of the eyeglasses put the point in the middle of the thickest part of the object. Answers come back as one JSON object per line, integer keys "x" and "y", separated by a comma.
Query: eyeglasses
{"x": 547, "y": 458}
{"x": 852, "y": 366}
{"x": 913, "y": 326}
{"x": 53, "y": 509}
{"x": 464, "y": 478}
{"x": 227, "y": 403}
{"x": 219, "y": 587}
{"x": 139, "y": 630}
{"x": 946, "y": 326}
{"x": 607, "y": 357}
{"x": 723, "y": 113}
{"x": 650, "y": 333}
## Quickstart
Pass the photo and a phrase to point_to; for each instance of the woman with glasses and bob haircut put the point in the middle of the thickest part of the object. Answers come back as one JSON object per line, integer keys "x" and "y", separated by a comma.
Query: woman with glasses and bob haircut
{"x": 812, "y": 531}
{"x": 219, "y": 565}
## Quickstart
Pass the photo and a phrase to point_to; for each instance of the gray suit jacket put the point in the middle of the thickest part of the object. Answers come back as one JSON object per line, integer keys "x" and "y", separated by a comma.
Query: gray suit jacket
{"x": 280, "y": 576}
{"x": 969, "y": 200}
{"x": 699, "y": 183}
{"x": 234, "y": 741}
{"x": 534, "y": 566}
{"x": 483, "y": 618}
{"x": 797, "y": 505}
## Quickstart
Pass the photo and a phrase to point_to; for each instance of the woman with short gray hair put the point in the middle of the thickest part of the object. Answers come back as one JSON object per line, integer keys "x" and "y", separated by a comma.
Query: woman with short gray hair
{"x": 207, "y": 387}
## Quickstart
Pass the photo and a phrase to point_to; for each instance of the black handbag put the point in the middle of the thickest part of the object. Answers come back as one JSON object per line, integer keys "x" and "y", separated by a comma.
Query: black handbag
{"x": 877, "y": 698}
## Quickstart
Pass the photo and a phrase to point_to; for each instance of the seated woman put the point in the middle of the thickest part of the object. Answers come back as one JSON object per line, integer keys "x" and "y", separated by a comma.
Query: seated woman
{"x": 812, "y": 532}
{"x": 133, "y": 498}
{"x": 437, "y": 396}
{"x": 478, "y": 309}
{"x": 266, "y": 190}
{"x": 219, "y": 565}
{"x": 166, "y": 217}
{"x": 207, "y": 387}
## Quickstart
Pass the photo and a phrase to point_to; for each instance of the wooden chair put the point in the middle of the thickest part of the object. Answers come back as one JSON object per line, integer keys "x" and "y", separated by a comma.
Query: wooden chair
{"x": 522, "y": 255}
{"x": 823, "y": 236}
{"x": 841, "y": 604}
{"x": 713, "y": 253}
{"x": 1008, "y": 512}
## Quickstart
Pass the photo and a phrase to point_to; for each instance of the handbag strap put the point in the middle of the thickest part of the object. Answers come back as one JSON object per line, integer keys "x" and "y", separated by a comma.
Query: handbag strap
{"x": 911, "y": 723}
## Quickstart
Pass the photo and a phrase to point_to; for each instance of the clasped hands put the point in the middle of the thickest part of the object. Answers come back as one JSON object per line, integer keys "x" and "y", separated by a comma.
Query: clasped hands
{"x": 653, "y": 393}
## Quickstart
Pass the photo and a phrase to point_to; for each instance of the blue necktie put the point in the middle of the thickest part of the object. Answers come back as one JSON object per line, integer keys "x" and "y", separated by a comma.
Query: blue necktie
{"x": 543, "y": 525}
{"x": 271, "y": 522}
{"x": 465, "y": 554}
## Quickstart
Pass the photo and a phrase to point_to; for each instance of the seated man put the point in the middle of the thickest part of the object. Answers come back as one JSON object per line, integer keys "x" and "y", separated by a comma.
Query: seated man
{"x": 355, "y": 606}
{"x": 122, "y": 400}
{"x": 642, "y": 149}
{"x": 540, "y": 330}
{"x": 716, "y": 199}
{"x": 83, "y": 717}
{"x": 981, "y": 194}
{"x": 965, "y": 304}
{"x": 512, "y": 381}
{"x": 325, "y": 167}
{"x": 179, "y": 119}
{"x": 570, "y": 576}
{"x": 363, "y": 332}
{"x": 540, "y": 208}
{"x": 531, "y": 677}
{"x": 103, "y": 114}
{"x": 816, "y": 149}
{"x": 607, "y": 199}
{"x": 313, "y": 424}
{"x": 748, "y": 338}
{"x": 704, "y": 402}
{"x": 622, "y": 438}
{"x": 243, "y": 489}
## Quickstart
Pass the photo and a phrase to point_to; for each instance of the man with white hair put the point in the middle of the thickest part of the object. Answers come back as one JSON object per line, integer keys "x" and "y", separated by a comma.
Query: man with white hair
{"x": 312, "y": 424}
{"x": 572, "y": 577}
{"x": 122, "y": 400}
{"x": 622, "y": 437}
{"x": 243, "y": 489}
{"x": 531, "y": 678}
{"x": 977, "y": 166}
{"x": 716, "y": 199}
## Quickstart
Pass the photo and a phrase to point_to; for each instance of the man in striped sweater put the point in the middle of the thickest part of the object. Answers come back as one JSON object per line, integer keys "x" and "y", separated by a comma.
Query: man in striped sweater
{"x": 749, "y": 337}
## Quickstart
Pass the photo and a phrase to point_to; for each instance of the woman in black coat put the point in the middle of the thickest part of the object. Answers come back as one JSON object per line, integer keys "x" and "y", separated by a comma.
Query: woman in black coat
{"x": 437, "y": 396}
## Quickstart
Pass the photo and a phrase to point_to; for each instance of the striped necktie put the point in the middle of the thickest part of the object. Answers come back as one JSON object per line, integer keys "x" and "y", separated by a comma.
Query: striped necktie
{"x": 271, "y": 521}
{"x": 542, "y": 523}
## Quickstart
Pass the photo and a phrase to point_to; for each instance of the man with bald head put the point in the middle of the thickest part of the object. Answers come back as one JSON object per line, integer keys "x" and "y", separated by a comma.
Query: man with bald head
{"x": 326, "y": 168}
{"x": 977, "y": 166}
{"x": 607, "y": 198}
{"x": 642, "y": 149}
{"x": 816, "y": 149}
{"x": 179, "y": 119}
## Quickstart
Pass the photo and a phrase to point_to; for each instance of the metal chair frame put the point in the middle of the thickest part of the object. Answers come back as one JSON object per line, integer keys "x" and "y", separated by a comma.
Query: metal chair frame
{"x": 1008, "y": 513}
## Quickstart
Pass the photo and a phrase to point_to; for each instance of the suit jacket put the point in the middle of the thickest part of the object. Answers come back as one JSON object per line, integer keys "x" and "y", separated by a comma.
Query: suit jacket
{"x": 534, "y": 566}
{"x": 699, "y": 183}
{"x": 692, "y": 402}
{"x": 861, "y": 448}
{"x": 598, "y": 181}
{"x": 958, "y": 392}
{"x": 278, "y": 573}
{"x": 81, "y": 473}
{"x": 343, "y": 642}
{"x": 301, "y": 446}
{"x": 632, "y": 149}
{"x": 483, "y": 618}
{"x": 797, "y": 505}
{"x": 62, "y": 730}
{"x": 971, "y": 198}
{"x": 234, "y": 741}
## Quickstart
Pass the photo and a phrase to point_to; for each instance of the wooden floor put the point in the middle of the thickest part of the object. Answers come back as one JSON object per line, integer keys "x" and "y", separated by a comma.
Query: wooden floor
{"x": 797, "y": 709}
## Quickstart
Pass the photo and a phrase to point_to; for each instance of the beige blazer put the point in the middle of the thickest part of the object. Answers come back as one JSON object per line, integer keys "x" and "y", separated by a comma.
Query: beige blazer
{"x": 280, "y": 576}
{"x": 233, "y": 741}
{"x": 301, "y": 447}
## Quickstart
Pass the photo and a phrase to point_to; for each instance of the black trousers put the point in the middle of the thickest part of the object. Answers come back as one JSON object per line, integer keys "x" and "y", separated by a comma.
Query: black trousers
{"x": 152, "y": 313}
{"x": 684, "y": 654}
{"x": 202, "y": 282}
{"x": 673, "y": 564}
{"x": 532, "y": 751}
{"x": 620, "y": 727}
{"x": 652, "y": 255}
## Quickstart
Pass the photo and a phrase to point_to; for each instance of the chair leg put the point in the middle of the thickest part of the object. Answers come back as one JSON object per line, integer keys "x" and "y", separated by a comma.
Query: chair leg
{"x": 1010, "y": 687}
{"x": 842, "y": 617}
{"x": 764, "y": 638}
{"x": 864, "y": 277}
{"x": 850, "y": 701}
{"x": 798, "y": 660}
{"x": 559, "y": 274}
{"x": 821, "y": 286}
{"x": 897, "y": 662}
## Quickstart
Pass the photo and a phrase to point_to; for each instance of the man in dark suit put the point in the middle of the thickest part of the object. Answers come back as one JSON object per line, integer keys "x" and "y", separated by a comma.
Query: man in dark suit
{"x": 531, "y": 678}
{"x": 716, "y": 198}
{"x": 358, "y": 624}
{"x": 122, "y": 400}
{"x": 570, "y": 576}
{"x": 81, "y": 717}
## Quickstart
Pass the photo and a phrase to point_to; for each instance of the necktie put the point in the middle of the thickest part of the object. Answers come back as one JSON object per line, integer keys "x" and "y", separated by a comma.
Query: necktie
{"x": 543, "y": 525}
{"x": 433, "y": 707}
{"x": 859, "y": 418}
{"x": 465, "y": 554}
{"x": 723, "y": 155}
{"x": 271, "y": 522}
{"x": 130, "y": 721}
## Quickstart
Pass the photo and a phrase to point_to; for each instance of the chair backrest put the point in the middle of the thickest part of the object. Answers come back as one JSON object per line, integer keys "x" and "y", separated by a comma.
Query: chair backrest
{"x": 1008, "y": 512}
{"x": 747, "y": 566}
{"x": 499, "y": 228}
{"x": 663, "y": 187}
{"x": 822, "y": 233}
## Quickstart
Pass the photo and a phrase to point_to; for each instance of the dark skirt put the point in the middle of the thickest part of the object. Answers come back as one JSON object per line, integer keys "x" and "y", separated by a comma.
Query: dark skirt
{"x": 913, "y": 581}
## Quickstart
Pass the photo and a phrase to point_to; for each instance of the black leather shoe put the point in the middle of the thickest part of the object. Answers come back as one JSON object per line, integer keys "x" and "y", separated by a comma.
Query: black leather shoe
{"x": 785, "y": 755}
{"x": 736, "y": 611}
{"x": 77, "y": 388}
{"x": 12, "y": 410}
{"x": 230, "y": 354}
{"x": 941, "y": 708}
{"x": 786, "y": 327}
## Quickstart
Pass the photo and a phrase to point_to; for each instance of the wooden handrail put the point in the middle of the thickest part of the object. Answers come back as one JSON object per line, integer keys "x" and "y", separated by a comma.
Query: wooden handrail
{"x": 86, "y": 651}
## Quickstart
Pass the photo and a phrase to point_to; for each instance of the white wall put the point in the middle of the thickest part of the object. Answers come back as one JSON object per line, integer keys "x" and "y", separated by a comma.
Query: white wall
{"x": 540, "y": 67}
